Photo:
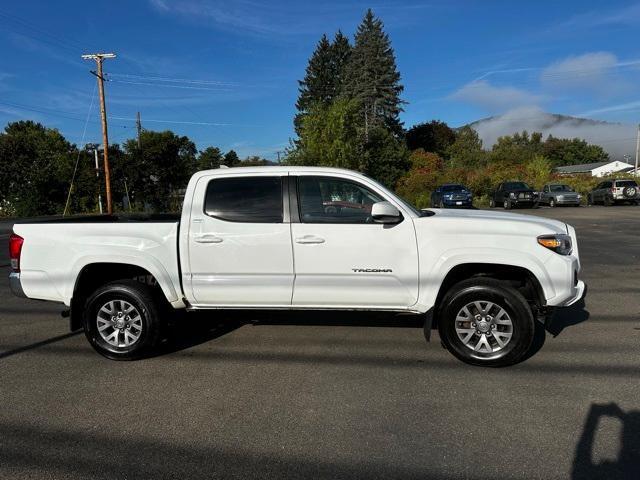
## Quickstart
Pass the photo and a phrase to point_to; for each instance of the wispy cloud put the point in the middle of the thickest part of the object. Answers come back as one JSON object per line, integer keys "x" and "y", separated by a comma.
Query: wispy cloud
{"x": 597, "y": 72}
{"x": 495, "y": 98}
{"x": 626, "y": 16}
{"x": 621, "y": 107}
{"x": 281, "y": 19}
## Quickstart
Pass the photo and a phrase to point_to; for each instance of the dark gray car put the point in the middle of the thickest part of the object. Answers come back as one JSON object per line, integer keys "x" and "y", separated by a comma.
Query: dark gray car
{"x": 615, "y": 191}
{"x": 554, "y": 194}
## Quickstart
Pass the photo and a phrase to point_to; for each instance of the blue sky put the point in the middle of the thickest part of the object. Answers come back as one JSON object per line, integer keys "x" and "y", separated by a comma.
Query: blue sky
{"x": 225, "y": 73}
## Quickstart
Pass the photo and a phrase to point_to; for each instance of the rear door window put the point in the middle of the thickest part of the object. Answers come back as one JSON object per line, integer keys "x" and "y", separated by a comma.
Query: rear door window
{"x": 245, "y": 199}
{"x": 626, "y": 183}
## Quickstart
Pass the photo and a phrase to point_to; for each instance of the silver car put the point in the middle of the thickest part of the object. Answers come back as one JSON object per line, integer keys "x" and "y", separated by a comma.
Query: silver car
{"x": 554, "y": 194}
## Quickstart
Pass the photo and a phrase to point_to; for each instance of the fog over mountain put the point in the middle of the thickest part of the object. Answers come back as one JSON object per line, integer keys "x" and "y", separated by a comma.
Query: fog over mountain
{"x": 616, "y": 138}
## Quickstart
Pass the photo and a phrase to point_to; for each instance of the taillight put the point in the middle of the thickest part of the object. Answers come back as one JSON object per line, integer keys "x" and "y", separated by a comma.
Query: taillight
{"x": 15, "y": 249}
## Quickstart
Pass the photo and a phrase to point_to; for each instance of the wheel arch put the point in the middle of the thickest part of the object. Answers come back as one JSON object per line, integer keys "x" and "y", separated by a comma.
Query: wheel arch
{"x": 91, "y": 276}
{"x": 519, "y": 277}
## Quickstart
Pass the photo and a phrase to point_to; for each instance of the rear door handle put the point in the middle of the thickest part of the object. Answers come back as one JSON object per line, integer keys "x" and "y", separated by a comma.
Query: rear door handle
{"x": 309, "y": 239}
{"x": 207, "y": 238}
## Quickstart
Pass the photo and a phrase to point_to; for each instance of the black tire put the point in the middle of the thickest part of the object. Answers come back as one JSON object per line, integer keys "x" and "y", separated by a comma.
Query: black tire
{"x": 589, "y": 200}
{"x": 507, "y": 204}
{"x": 608, "y": 201}
{"x": 140, "y": 296}
{"x": 552, "y": 203}
{"x": 491, "y": 290}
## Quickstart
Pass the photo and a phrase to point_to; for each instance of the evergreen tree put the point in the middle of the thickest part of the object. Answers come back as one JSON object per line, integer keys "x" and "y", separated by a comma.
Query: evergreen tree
{"x": 340, "y": 55}
{"x": 317, "y": 85}
{"x": 231, "y": 159}
{"x": 210, "y": 157}
{"x": 373, "y": 78}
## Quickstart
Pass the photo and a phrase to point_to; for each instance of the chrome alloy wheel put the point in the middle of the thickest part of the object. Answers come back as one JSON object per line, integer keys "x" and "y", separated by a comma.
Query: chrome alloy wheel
{"x": 484, "y": 327}
{"x": 119, "y": 323}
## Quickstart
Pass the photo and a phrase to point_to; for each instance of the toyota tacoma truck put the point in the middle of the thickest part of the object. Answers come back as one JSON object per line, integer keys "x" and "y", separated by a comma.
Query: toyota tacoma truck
{"x": 302, "y": 238}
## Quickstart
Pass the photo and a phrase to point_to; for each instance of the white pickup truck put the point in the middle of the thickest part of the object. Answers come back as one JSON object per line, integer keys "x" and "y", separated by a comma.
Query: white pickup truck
{"x": 303, "y": 238}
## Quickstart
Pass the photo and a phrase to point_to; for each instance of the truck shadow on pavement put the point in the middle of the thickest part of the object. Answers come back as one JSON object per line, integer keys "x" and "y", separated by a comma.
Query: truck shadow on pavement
{"x": 567, "y": 317}
{"x": 189, "y": 330}
{"x": 627, "y": 463}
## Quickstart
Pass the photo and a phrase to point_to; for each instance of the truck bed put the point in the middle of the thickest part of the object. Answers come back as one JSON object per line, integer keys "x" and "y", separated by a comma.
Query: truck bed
{"x": 55, "y": 251}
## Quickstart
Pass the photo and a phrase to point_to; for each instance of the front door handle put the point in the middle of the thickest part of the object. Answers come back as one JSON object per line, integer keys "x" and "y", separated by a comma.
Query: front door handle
{"x": 309, "y": 239}
{"x": 207, "y": 238}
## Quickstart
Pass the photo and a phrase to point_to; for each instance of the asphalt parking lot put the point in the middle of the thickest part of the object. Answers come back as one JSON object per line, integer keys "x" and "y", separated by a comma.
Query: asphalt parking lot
{"x": 333, "y": 395}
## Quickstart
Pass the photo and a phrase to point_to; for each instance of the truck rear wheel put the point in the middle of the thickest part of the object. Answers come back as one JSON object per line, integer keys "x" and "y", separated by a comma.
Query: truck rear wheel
{"x": 121, "y": 320}
{"x": 483, "y": 321}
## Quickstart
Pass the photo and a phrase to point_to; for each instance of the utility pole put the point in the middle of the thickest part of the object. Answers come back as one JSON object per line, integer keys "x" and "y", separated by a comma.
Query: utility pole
{"x": 95, "y": 152}
{"x": 635, "y": 172}
{"x": 99, "y": 58}
{"x": 139, "y": 129}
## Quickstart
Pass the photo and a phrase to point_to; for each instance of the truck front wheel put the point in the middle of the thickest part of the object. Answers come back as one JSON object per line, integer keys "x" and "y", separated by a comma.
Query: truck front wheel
{"x": 121, "y": 320}
{"x": 486, "y": 322}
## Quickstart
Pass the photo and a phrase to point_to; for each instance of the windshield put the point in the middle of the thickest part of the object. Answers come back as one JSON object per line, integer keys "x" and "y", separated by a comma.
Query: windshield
{"x": 453, "y": 188}
{"x": 560, "y": 188}
{"x": 516, "y": 186}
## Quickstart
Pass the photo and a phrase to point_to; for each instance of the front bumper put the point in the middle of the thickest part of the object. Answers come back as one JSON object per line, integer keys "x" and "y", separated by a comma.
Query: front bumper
{"x": 567, "y": 201}
{"x": 457, "y": 203}
{"x": 16, "y": 285}
{"x": 523, "y": 203}
{"x": 579, "y": 293}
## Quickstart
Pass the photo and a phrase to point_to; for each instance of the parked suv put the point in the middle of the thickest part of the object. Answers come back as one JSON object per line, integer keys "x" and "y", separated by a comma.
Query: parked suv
{"x": 451, "y": 195}
{"x": 514, "y": 194}
{"x": 554, "y": 194}
{"x": 610, "y": 192}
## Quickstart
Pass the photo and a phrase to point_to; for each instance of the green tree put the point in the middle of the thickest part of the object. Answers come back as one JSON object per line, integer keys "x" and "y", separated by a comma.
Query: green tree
{"x": 466, "y": 151}
{"x": 373, "y": 78}
{"x": 434, "y": 136}
{"x": 386, "y": 157}
{"x": 564, "y": 151}
{"x": 158, "y": 170}
{"x": 329, "y": 136}
{"x": 36, "y": 165}
{"x": 318, "y": 86}
{"x": 231, "y": 159}
{"x": 517, "y": 148}
{"x": 340, "y": 54}
{"x": 210, "y": 157}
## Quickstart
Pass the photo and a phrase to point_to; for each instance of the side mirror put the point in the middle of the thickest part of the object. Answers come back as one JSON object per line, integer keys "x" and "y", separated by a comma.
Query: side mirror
{"x": 385, "y": 212}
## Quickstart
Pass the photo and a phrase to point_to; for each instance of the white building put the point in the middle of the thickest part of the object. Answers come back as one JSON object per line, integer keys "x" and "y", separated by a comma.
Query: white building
{"x": 598, "y": 169}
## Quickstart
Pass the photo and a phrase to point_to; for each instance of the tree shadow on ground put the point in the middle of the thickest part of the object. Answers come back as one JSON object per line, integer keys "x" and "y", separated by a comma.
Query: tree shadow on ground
{"x": 627, "y": 464}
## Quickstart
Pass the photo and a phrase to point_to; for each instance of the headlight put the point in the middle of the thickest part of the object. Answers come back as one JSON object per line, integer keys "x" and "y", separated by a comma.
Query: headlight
{"x": 558, "y": 243}
{"x": 512, "y": 195}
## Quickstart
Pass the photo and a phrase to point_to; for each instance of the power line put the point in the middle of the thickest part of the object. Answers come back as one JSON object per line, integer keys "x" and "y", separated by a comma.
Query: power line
{"x": 54, "y": 112}
{"x": 175, "y": 80}
{"x": 75, "y": 168}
